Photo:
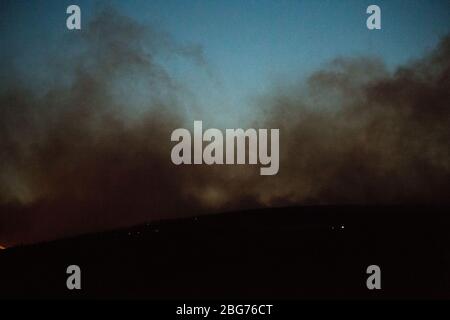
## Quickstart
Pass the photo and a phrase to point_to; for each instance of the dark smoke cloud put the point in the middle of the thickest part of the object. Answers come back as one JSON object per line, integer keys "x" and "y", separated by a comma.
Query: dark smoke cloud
{"x": 359, "y": 134}
{"x": 74, "y": 159}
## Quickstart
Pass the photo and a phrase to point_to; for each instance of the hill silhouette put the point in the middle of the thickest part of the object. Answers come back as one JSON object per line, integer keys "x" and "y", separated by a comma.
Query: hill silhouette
{"x": 280, "y": 253}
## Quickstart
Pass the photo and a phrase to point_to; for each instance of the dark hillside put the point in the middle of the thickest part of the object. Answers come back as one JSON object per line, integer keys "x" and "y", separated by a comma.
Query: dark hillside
{"x": 305, "y": 252}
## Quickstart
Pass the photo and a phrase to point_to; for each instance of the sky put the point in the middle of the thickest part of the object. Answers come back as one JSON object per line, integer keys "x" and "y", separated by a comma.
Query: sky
{"x": 248, "y": 45}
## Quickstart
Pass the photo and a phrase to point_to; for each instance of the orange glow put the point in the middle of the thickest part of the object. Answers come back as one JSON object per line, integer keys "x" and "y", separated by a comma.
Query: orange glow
{"x": 2, "y": 247}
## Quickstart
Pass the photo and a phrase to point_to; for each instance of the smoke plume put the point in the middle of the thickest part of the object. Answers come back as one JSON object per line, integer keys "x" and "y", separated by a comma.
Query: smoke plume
{"x": 93, "y": 151}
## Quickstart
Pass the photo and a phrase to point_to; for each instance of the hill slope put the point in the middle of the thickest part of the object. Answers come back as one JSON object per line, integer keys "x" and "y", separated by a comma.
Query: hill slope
{"x": 305, "y": 252}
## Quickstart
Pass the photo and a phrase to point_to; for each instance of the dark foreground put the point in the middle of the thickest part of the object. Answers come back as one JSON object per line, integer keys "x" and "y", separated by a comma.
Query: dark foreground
{"x": 309, "y": 252}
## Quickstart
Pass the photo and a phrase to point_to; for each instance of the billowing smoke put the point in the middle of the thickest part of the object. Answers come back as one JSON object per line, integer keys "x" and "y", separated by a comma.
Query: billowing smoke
{"x": 358, "y": 134}
{"x": 93, "y": 151}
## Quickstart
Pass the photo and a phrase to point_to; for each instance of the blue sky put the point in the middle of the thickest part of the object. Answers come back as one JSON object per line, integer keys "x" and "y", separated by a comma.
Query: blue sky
{"x": 249, "y": 45}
